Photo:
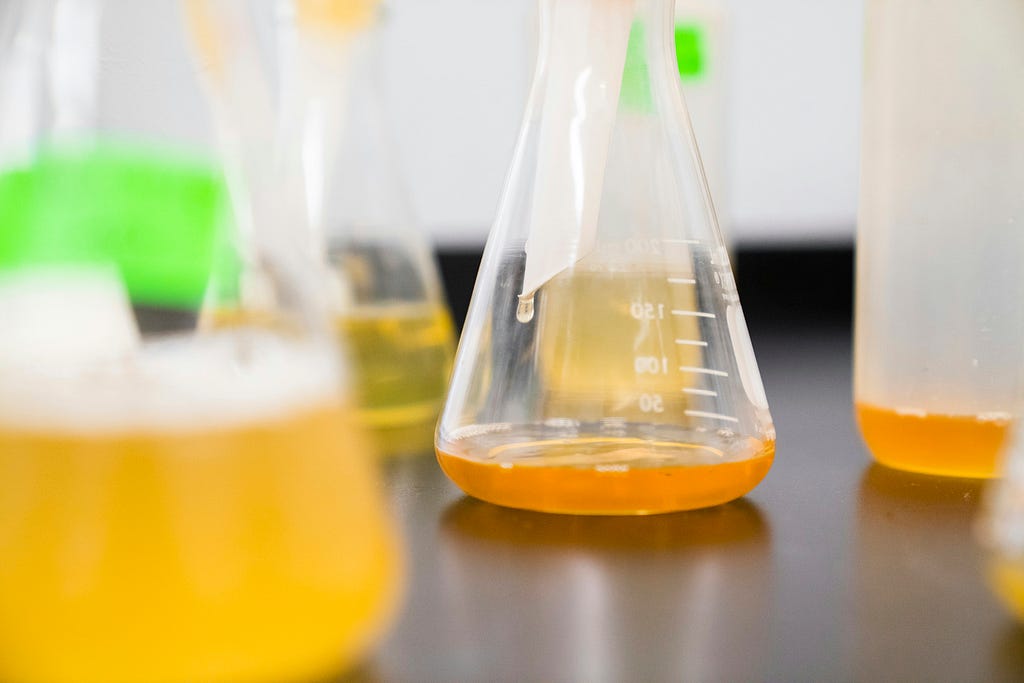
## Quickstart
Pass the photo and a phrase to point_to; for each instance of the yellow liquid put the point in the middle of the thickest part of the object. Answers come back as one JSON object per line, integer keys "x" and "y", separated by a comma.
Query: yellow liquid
{"x": 949, "y": 445}
{"x": 245, "y": 554}
{"x": 401, "y": 359}
{"x": 1007, "y": 580}
{"x": 610, "y": 345}
{"x": 606, "y": 476}
{"x": 339, "y": 15}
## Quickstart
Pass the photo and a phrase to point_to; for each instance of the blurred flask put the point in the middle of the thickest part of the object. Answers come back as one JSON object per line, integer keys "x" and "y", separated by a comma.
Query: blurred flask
{"x": 390, "y": 306}
{"x": 378, "y": 268}
{"x": 176, "y": 504}
{"x": 940, "y": 245}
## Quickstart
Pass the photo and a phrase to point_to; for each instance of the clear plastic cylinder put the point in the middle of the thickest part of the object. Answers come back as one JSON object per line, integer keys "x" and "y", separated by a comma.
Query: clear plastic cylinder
{"x": 939, "y": 286}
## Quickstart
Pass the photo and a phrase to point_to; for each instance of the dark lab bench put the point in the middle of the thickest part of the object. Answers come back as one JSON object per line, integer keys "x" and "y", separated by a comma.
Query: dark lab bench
{"x": 834, "y": 569}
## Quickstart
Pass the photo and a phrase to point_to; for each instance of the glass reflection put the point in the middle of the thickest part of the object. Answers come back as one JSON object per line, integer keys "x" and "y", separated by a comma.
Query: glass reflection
{"x": 921, "y": 606}
{"x": 553, "y": 597}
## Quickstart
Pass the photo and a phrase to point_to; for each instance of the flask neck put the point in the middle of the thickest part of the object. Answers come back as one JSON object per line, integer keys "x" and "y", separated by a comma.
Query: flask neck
{"x": 656, "y": 20}
{"x": 650, "y": 63}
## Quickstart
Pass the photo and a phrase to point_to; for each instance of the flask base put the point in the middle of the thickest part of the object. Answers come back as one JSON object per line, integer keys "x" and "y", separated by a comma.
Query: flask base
{"x": 605, "y": 475}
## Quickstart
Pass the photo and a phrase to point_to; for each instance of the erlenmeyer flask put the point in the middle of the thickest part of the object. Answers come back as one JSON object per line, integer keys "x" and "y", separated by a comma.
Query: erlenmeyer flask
{"x": 176, "y": 504}
{"x": 605, "y": 366}
{"x": 378, "y": 269}
{"x": 389, "y": 305}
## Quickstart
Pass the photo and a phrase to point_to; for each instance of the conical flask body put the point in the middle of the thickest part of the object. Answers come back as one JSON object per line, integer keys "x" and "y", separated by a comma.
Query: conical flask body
{"x": 606, "y": 369}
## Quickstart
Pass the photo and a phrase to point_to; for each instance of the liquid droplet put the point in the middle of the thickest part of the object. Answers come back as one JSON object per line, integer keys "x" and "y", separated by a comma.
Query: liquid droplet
{"x": 524, "y": 313}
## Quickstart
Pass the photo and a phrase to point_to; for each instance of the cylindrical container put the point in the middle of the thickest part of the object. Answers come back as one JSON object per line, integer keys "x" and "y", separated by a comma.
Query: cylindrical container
{"x": 939, "y": 286}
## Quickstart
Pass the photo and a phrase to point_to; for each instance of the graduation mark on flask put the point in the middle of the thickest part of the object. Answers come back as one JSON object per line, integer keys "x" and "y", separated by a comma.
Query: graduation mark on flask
{"x": 701, "y": 392}
{"x": 703, "y": 371}
{"x": 710, "y": 416}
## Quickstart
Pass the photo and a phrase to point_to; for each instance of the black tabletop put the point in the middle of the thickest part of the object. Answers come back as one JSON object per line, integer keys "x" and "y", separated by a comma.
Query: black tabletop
{"x": 833, "y": 569}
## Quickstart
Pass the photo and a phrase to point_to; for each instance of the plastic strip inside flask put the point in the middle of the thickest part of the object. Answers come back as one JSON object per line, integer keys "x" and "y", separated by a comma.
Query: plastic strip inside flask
{"x": 589, "y": 40}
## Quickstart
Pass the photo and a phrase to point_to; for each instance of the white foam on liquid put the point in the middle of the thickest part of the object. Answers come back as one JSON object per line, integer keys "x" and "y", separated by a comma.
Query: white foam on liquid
{"x": 71, "y": 360}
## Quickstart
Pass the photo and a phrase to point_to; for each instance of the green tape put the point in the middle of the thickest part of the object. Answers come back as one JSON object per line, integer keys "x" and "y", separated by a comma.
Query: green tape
{"x": 691, "y": 57}
{"x": 690, "y": 51}
{"x": 157, "y": 216}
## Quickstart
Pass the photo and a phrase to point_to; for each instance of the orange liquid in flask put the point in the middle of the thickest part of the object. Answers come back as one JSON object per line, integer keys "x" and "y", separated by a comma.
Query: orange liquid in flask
{"x": 593, "y": 328}
{"x": 948, "y": 445}
{"x": 567, "y": 476}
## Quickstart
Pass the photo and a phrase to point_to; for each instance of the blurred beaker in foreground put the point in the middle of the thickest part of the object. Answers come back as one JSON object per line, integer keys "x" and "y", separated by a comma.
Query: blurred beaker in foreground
{"x": 940, "y": 243}
{"x": 176, "y": 504}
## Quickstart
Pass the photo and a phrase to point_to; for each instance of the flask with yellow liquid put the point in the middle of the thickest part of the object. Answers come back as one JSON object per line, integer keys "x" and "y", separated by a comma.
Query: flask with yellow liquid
{"x": 176, "y": 504}
{"x": 378, "y": 268}
{"x": 389, "y": 305}
{"x": 938, "y": 321}
{"x": 605, "y": 366}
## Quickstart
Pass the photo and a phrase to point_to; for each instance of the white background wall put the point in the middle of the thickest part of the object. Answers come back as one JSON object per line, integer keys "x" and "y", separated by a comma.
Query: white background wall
{"x": 457, "y": 72}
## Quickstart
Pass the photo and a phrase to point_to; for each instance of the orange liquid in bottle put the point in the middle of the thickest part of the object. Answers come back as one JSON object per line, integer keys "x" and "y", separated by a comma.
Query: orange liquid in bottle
{"x": 949, "y": 445}
{"x": 254, "y": 552}
{"x": 604, "y": 476}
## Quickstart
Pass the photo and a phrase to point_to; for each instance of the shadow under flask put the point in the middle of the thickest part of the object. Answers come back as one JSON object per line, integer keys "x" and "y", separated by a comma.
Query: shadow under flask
{"x": 605, "y": 366}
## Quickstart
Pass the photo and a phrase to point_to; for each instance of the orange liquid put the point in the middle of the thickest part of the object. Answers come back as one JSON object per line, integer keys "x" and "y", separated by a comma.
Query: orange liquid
{"x": 600, "y": 488}
{"x": 950, "y": 445}
{"x": 244, "y": 554}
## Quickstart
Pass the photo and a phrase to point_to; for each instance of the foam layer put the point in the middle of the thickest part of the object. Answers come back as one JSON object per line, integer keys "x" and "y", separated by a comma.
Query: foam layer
{"x": 219, "y": 380}
{"x": 64, "y": 316}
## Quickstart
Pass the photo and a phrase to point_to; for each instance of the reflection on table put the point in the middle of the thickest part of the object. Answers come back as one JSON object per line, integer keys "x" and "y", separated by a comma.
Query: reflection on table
{"x": 531, "y": 596}
{"x": 915, "y": 545}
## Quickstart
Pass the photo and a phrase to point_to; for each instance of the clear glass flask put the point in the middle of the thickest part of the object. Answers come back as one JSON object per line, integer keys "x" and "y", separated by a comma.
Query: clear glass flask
{"x": 938, "y": 326}
{"x": 378, "y": 268}
{"x": 389, "y": 307}
{"x": 605, "y": 366}
{"x": 176, "y": 504}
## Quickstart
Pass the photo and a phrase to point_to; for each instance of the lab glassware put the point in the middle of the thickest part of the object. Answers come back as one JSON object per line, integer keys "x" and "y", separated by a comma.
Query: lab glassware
{"x": 605, "y": 366}
{"x": 938, "y": 318}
